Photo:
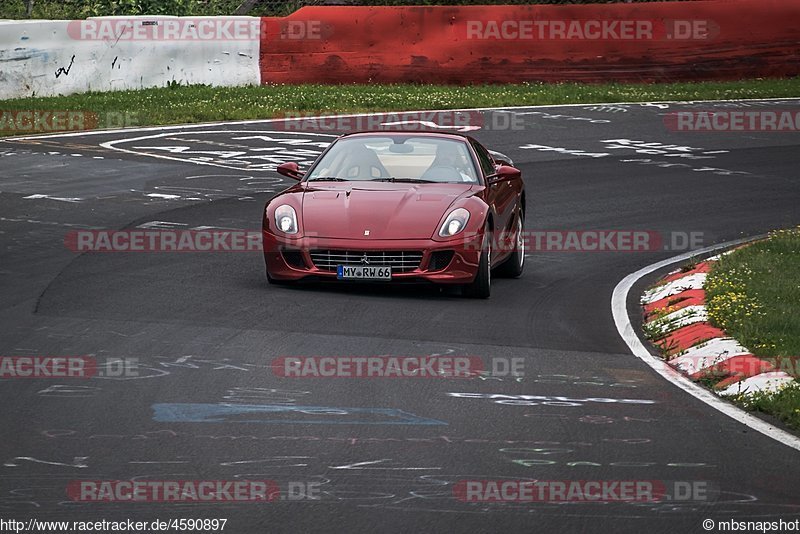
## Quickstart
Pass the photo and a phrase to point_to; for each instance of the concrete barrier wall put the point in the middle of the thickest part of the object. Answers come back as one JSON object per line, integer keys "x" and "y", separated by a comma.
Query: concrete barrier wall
{"x": 698, "y": 40}
{"x": 661, "y": 41}
{"x": 46, "y": 58}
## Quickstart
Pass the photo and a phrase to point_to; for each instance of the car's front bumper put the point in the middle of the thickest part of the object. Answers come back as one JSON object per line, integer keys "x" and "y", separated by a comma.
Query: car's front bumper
{"x": 290, "y": 259}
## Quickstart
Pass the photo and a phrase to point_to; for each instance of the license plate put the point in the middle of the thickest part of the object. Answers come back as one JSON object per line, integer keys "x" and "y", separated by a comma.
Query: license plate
{"x": 363, "y": 272}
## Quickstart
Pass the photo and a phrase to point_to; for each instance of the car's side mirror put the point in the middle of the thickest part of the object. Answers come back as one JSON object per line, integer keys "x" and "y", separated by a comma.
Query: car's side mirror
{"x": 500, "y": 158}
{"x": 290, "y": 169}
{"x": 504, "y": 172}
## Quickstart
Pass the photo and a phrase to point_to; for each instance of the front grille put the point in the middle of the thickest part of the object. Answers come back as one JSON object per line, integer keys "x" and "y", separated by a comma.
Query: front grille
{"x": 401, "y": 261}
{"x": 440, "y": 259}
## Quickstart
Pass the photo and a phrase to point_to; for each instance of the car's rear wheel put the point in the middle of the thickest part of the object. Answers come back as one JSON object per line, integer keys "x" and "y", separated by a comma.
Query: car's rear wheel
{"x": 481, "y": 287}
{"x": 515, "y": 264}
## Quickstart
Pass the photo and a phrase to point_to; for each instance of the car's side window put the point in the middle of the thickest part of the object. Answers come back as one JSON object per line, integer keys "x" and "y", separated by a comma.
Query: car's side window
{"x": 485, "y": 160}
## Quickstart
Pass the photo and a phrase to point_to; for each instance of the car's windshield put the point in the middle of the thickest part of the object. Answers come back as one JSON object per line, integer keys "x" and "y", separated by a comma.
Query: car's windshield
{"x": 406, "y": 158}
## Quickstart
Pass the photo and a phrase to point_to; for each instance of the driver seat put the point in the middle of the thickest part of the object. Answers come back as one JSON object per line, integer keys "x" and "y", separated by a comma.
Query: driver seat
{"x": 363, "y": 161}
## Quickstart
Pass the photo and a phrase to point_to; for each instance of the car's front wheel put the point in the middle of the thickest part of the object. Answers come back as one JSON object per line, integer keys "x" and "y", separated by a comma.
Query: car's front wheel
{"x": 514, "y": 265}
{"x": 481, "y": 287}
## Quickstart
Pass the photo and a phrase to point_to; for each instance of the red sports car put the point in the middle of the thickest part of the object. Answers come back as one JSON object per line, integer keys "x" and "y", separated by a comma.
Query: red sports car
{"x": 399, "y": 206}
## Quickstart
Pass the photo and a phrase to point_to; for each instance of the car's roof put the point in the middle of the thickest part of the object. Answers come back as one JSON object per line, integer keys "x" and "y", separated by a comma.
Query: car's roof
{"x": 406, "y": 133}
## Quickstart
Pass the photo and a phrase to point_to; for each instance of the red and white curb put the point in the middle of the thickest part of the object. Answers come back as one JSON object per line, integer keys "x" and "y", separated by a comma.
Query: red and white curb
{"x": 676, "y": 318}
{"x": 622, "y": 313}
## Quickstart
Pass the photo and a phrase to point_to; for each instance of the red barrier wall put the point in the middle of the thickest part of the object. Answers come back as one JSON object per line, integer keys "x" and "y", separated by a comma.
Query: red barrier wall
{"x": 476, "y": 44}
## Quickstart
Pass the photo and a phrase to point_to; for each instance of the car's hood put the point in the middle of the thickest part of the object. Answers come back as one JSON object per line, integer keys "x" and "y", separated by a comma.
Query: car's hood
{"x": 378, "y": 210}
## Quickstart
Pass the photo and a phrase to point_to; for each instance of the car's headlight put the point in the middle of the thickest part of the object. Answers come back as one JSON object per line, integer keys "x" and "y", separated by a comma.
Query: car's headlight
{"x": 454, "y": 223}
{"x": 286, "y": 219}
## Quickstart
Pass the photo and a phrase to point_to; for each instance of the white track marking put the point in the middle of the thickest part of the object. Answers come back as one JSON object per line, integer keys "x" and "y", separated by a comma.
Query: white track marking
{"x": 679, "y": 285}
{"x": 761, "y": 382}
{"x": 48, "y": 197}
{"x": 619, "y": 310}
{"x": 111, "y": 145}
{"x": 708, "y": 354}
{"x": 500, "y": 108}
{"x": 679, "y": 318}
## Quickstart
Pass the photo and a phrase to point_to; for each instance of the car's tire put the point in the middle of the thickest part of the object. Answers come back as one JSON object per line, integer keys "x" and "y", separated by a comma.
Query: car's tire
{"x": 481, "y": 287}
{"x": 513, "y": 266}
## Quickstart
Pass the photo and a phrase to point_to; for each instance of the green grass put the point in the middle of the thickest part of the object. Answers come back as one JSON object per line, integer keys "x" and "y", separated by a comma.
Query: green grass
{"x": 784, "y": 404}
{"x": 72, "y": 9}
{"x": 754, "y": 295}
{"x": 179, "y": 104}
{"x": 80, "y": 9}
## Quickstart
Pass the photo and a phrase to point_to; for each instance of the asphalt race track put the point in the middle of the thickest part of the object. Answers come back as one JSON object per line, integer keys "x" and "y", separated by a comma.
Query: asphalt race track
{"x": 385, "y": 453}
